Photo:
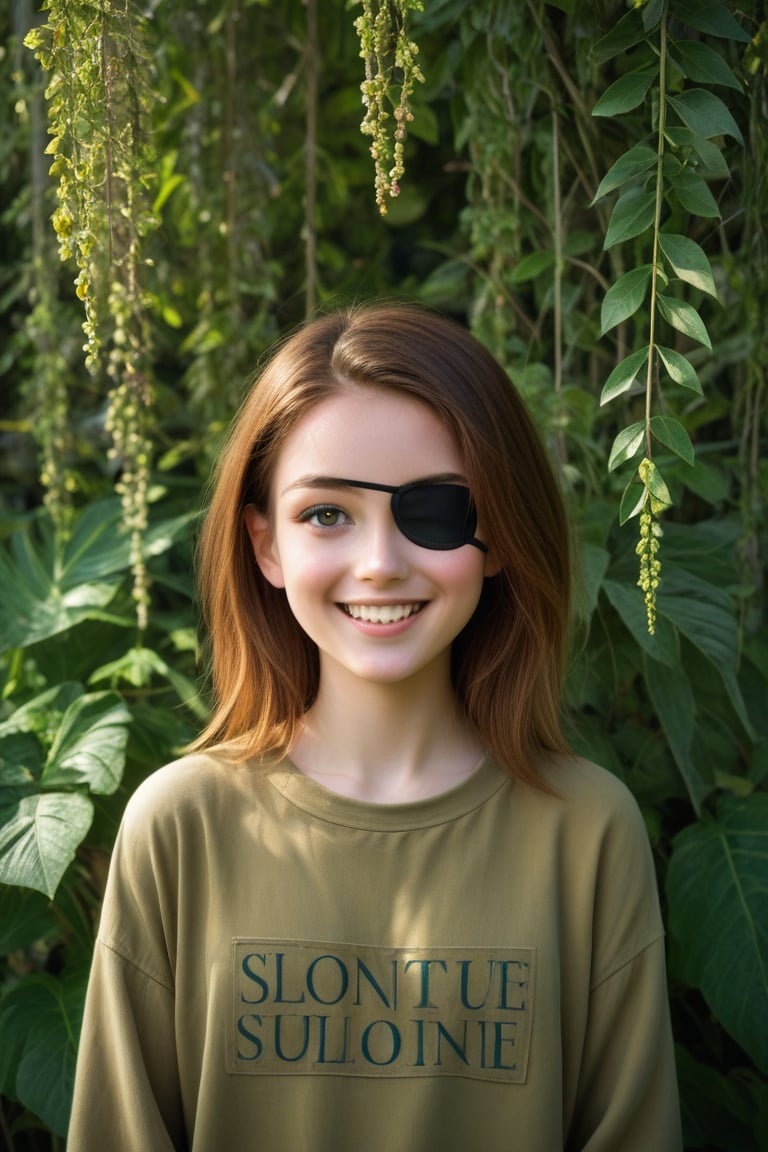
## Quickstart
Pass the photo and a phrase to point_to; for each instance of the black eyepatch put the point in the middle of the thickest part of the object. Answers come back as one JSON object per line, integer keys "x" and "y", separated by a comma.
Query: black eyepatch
{"x": 437, "y": 516}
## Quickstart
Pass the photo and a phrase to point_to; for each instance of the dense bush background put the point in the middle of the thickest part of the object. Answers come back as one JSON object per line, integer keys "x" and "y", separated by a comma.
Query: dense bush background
{"x": 240, "y": 190}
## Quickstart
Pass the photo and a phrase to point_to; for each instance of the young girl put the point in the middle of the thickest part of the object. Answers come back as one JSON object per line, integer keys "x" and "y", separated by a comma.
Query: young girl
{"x": 380, "y": 907}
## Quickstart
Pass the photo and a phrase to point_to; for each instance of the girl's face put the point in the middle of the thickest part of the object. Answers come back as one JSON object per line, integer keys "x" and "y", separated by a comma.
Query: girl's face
{"x": 376, "y": 604}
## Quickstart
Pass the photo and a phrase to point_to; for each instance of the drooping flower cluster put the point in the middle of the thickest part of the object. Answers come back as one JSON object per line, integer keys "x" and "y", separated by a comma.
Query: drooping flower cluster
{"x": 647, "y": 549}
{"x": 128, "y": 424}
{"x": 96, "y": 101}
{"x": 390, "y": 61}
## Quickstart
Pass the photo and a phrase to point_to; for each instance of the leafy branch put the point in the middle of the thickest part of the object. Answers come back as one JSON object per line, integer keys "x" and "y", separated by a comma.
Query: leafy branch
{"x": 671, "y": 177}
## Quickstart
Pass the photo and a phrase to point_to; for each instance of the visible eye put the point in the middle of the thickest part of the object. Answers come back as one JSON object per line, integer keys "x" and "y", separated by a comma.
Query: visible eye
{"x": 323, "y": 516}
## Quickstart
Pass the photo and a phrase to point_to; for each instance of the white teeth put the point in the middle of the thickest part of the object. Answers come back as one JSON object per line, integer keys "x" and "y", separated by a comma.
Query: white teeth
{"x": 381, "y": 613}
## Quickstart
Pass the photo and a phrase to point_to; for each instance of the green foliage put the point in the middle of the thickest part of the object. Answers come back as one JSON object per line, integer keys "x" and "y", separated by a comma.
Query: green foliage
{"x": 44, "y": 810}
{"x": 585, "y": 183}
{"x": 717, "y": 886}
{"x": 40, "y": 1020}
{"x": 675, "y": 173}
{"x": 70, "y": 752}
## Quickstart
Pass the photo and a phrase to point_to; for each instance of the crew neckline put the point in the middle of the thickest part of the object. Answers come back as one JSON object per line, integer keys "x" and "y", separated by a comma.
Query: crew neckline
{"x": 310, "y": 796}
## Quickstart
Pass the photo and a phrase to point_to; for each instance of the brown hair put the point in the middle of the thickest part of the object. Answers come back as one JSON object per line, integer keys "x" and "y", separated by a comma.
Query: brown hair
{"x": 508, "y": 661}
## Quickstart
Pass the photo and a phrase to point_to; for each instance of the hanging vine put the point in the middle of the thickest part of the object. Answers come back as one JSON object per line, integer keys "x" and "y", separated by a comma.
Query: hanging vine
{"x": 45, "y": 389}
{"x": 390, "y": 62}
{"x": 96, "y": 105}
{"x": 673, "y": 171}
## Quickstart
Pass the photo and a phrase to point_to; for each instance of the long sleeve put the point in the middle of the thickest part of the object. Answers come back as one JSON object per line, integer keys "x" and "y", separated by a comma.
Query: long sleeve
{"x": 127, "y": 1094}
{"x": 627, "y": 1093}
{"x": 126, "y": 1087}
{"x": 621, "y": 1082}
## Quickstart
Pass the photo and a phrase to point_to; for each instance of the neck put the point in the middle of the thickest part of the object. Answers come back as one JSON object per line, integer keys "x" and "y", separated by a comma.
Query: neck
{"x": 386, "y": 743}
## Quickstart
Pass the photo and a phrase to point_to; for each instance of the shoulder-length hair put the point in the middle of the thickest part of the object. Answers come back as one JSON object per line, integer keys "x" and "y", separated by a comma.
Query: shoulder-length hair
{"x": 508, "y": 661}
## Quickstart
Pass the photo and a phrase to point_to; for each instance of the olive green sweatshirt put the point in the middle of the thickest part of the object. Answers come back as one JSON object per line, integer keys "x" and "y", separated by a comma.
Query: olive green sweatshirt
{"x": 282, "y": 968}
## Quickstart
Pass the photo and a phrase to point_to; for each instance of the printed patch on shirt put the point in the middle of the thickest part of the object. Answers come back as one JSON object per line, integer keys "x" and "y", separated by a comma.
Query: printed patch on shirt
{"x": 307, "y": 1008}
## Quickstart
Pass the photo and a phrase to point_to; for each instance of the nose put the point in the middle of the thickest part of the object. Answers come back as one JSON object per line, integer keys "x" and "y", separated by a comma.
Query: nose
{"x": 381, "y": 555}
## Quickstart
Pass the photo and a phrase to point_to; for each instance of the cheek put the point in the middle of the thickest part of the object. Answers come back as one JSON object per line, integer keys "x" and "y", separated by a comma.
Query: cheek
{"x": 464, "y": 564}
{"x": 305, "y": 569}
{"x": 462, "y": 573}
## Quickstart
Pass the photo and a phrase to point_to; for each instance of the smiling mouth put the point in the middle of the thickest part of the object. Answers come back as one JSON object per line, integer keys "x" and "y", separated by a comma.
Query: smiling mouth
{"x": 382, "y": 613}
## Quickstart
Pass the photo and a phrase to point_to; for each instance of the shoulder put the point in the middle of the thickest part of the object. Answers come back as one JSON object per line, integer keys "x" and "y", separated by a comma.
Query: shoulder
{"x": 182, "y": 778}
{"x": 190, "y": 799}
{"x": 607, "y": 860}
{"x": 184, "y": 783}
{"x": 175, "y": 826}
{"x": 605, "y": 810}
{"x": 577, "y": 791}
{"x": 585, "y": 782}
{"x": 597, "y": 827}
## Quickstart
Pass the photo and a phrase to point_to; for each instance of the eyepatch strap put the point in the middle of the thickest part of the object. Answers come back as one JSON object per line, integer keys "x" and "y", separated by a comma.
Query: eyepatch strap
{"x": 464, "y": 530}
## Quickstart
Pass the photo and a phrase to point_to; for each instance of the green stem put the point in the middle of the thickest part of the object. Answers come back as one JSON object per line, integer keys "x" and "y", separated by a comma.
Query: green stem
{"x": 558, "y": 276}
{"x": 656, "y": 230}
{"x": 310, "y": 72}
{"x": 558, "y": 246}
{"x": 231, "y": 172}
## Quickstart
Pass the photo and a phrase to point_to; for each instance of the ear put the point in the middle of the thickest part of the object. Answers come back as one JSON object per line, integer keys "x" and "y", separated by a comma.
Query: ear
{"x": 492, "y": 566}
{"x": 263, "y": 544}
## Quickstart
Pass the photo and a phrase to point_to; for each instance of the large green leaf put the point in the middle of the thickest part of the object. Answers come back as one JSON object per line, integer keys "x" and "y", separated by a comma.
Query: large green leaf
{"x": 706, "y": 616}
{"x": 531, "y": 266}
{"x": 632, "y": 214}
{"x": 47, "y": 589}
{"x": 623, "y": 375}
{"x": 40, "y": 1021}
{"x": 90, "y": 744}
{"x": 710, "y": 16}
{"x": 717, "y": 1110}
{"x": 704, "y": 65}
{"x": 684, "y": 318}
{"x": 628, "y": 166}
{"x": 21, "y": 759}
{"x": 625, "y": 93}
{"x": 680, "y": 369}
{"x": 709, "y": 546}
{"x": 594, "y": 562}
{"x": 653, "y": 10}
{"x": 674, "y": 703}
{"x": 41, "y": 714}
{"x": 25, "y": 916}
{"x": 711, "y": 485}
{"x": 689, "y": 261}
{"x": 39, "y": 836}
{"x": 673, "y": 435}
{"x": 625, "y": 34}
{"x": 624, "y": 297}
{"x": 627, "y": 444}
{"x": 705, "y": 113}
{"x": 633, "y": 499}
{"x": 35, "y": 604}
{"x": 694, "y": 195}
{"x": 717, "y": 887}
{"x": 628, "y": 601}
{"x": 96, "y": 548}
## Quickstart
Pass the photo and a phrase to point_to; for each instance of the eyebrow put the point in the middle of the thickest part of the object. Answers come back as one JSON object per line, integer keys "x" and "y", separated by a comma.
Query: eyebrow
{"x": 315, "y": 481}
